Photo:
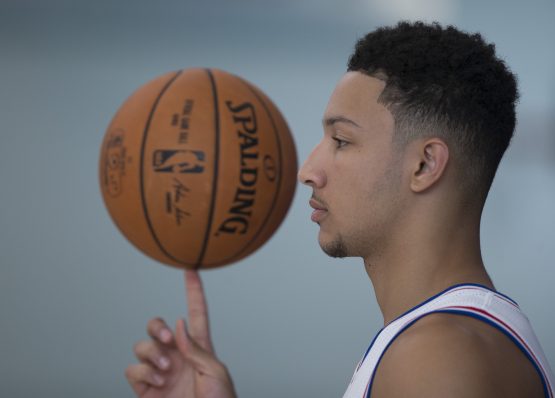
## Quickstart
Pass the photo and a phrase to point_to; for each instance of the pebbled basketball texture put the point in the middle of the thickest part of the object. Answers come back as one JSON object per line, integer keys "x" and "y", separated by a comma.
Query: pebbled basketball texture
{"x": 198, "y": 168}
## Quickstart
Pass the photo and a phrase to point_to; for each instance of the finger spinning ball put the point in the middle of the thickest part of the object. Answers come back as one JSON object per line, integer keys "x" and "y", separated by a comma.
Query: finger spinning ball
{"x": 198, "y": 168}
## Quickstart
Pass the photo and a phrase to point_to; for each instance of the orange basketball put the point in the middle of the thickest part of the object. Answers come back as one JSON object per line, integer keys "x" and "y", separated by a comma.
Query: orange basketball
{"x": 198, "y": 168}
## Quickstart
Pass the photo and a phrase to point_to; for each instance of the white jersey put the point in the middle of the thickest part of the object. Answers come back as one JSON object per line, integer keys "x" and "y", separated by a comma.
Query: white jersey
{"x": 472, "y": 300}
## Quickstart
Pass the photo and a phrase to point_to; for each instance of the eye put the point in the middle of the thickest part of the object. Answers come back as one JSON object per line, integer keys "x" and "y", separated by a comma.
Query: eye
{"x": 339, "y": 142}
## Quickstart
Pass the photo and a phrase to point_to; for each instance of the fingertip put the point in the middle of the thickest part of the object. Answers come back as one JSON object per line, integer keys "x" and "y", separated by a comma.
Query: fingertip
{"x": 159, "y": 330}
{"x": 165, "y": 336}
{"x": 164, "y": 363}
{"x": 158, "y": 379}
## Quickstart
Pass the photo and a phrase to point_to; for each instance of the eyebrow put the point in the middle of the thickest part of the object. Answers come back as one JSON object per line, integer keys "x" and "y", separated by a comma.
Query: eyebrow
{"x": 330, "y": 121}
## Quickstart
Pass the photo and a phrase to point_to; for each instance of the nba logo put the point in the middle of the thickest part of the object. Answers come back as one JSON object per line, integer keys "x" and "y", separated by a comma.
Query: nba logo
{"x": 178, "y": 161}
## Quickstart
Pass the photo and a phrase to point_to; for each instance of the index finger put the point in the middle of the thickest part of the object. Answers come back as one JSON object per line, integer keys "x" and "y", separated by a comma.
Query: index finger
{"x": 199, "y": 328}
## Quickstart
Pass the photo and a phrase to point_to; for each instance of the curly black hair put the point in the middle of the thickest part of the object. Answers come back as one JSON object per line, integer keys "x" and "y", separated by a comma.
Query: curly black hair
{"x": 446, "y": 83}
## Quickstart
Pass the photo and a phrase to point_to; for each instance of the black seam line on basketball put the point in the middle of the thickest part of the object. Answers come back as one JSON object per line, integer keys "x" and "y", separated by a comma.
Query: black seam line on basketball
{"x": 141, "y": 163}
{"x": 279, "y": 177}
{"x": 216, "y": 159}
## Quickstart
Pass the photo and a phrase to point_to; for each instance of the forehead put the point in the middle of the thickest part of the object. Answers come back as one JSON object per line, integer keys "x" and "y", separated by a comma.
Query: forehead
{"x": 355, "y": 97}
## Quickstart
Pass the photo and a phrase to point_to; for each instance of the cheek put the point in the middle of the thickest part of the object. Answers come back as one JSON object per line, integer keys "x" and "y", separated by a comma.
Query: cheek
{"x": 353, "y": 188}
{"x": 370, "y": 190}
{"x": 360, "y": 178}
{"x": 355, "y": 173}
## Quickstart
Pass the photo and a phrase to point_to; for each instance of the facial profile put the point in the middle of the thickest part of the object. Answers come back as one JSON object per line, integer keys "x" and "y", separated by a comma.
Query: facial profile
{"x": 354, "y": 171}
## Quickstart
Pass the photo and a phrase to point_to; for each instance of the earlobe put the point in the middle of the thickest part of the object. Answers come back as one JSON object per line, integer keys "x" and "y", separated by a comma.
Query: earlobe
{"x": 432, "y": 158}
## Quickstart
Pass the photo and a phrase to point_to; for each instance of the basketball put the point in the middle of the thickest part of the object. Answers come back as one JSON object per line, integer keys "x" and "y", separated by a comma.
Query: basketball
{"x": 198, "y": 168}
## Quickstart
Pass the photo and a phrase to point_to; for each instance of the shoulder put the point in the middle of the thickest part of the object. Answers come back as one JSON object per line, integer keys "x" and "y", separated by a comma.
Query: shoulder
{"x": 450, "y": 355}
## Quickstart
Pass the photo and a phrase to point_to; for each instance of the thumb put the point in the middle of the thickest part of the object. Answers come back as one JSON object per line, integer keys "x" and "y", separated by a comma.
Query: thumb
{"x": 203, "y": 361}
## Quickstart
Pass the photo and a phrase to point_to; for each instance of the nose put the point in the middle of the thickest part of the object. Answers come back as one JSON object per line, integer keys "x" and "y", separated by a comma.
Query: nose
{"x": 312, "y": 173}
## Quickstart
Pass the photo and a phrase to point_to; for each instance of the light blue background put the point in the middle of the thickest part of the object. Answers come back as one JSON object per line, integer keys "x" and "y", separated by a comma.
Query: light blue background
{"x": 288, "y": 321}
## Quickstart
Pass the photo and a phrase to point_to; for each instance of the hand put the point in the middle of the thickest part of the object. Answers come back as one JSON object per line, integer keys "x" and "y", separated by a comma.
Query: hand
{"x": 181, "y": 364}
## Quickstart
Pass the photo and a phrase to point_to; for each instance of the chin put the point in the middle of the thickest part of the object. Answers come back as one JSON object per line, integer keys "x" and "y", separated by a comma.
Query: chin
{"x": 335, "y": 248}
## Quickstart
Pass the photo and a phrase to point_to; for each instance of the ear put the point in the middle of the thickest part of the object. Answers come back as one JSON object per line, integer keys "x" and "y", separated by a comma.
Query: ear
{"x": 430, "y": 163}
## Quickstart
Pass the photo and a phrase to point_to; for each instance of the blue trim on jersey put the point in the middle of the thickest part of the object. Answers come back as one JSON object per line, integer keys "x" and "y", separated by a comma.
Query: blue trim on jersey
{"x": 510, "y": 336}
{"x": 391, "y": 342}
{"x": 451, "y": 288}
{"x": 420, "y": 305}
{"x": 458, "y": 312}
{"x": 371, "y": 344}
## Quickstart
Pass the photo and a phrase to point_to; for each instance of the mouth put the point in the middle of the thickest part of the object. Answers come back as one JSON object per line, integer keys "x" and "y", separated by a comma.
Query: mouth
{"x": 319, "y": 212}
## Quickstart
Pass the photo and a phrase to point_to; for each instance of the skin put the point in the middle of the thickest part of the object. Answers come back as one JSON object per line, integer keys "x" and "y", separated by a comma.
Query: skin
{"x": 181, "y": 362}
{"x": 418, "y": 234}
{"x": 402, "y": 202}
{"x": 402, "y": 211}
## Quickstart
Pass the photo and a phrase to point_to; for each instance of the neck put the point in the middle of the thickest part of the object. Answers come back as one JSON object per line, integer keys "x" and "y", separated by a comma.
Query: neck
{"x": 422, "y": 262}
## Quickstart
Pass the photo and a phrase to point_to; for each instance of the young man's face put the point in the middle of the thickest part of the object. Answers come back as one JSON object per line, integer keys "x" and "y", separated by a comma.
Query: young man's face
{"x": 354, "y": 171}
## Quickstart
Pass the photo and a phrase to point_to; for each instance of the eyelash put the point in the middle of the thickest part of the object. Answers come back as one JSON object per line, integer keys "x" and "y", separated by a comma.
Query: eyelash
{"x": 339, "y": 142}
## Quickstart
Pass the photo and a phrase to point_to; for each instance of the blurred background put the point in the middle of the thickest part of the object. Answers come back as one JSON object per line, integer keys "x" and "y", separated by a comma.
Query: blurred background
{"x": 288, "y": 321}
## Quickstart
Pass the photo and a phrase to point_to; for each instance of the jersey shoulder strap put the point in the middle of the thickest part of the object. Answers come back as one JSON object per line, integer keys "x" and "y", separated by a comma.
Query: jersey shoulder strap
{"x": 473, "y": 300}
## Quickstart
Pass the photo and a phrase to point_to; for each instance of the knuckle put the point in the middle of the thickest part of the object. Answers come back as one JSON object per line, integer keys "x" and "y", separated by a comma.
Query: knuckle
{"x": 130, "y": 372}
{"x": 138, "y": 347}
{"x": 146, "y": 349}
{"x": 219, "y": 368}
{"x": 145, "y": 373}
{"x": 155, "y": 323}
{"x": 197, "y": 311}
{"x": 142, "y": 372}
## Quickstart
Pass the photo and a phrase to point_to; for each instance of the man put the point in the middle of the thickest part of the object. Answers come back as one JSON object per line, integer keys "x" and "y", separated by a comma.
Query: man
{"x": 413, "y": 135}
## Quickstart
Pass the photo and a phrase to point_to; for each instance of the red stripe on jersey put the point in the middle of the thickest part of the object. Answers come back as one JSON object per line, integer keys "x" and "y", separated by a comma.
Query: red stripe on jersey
{"x": 513, "y": 333}
{"x": 482, "y": 290}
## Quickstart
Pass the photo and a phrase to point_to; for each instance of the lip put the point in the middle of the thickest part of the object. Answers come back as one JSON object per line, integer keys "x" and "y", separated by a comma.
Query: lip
{"x": 319, "y": 211}
{"x": 316, "y": 205}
